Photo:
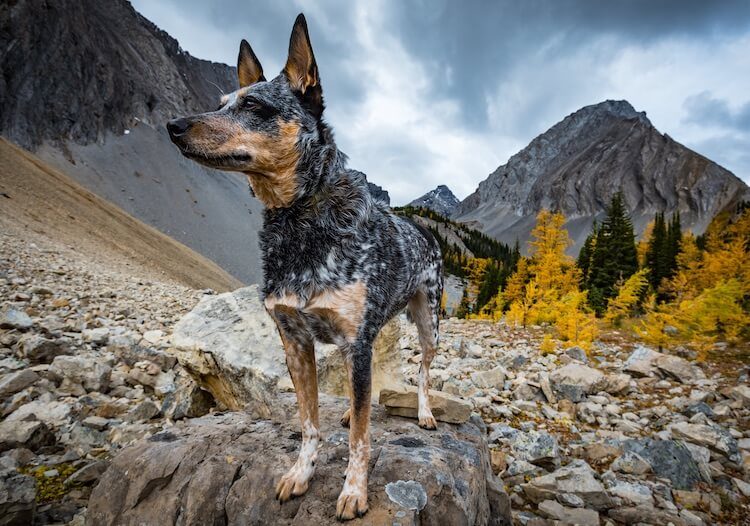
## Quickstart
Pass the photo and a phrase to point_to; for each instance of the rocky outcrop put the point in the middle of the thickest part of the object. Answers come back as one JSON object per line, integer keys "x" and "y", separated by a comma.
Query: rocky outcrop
{"x": 232, "y": 348}
{"x": 578, "y": 164}
{"x": 222, "y": 469}
{"x": 440, "y": 200}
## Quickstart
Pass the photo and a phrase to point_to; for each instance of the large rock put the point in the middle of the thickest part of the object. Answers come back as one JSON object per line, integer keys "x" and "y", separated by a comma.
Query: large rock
{"x": 713, "y": 437}
{"x": 578, "y": 516}
{"x": 17, "y": 498}
{"x": 37, "y": 349}
{"x": 445, "y": 407}
{"x": 221, "y": 469}
{"x": 230, "y": 345}
{"x": 668, "y": 459}
{"x": 640, "y": 363}
{"x": 577, "y": 478}
{"x": 679, "y": 369}
{"x": 575, "y": 380}
{"x": 14, "y": 319}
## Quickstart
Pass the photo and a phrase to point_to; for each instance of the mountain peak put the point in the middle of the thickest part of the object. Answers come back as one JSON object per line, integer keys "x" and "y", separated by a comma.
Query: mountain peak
{"x": 441, "y": 200}
{"x": 580, "y": 162}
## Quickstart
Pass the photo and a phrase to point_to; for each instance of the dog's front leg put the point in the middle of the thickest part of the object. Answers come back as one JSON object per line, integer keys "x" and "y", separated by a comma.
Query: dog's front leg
{"x": 352, "y": 501}
{"x": 300, "y": 360}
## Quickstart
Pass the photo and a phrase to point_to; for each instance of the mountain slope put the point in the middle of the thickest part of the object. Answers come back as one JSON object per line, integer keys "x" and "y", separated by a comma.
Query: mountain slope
{"x": 38, "y": 200}
{"x": 88, "y": 85}
{"x": 440, "y": 200}
{"x": 578, "y": 164}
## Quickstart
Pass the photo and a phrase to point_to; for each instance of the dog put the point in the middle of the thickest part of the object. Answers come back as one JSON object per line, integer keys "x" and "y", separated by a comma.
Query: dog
{"x": 337, "y": 264}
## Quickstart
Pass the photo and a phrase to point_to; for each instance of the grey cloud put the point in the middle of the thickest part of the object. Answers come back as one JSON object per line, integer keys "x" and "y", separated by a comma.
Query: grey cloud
{"x": 705, "y": 109}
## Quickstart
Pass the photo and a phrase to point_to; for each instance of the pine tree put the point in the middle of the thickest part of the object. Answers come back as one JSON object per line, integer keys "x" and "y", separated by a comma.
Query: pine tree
{"x": 584, "y": 256}
{"x": 656, "y": 260}
{"x": 614, "y": 257}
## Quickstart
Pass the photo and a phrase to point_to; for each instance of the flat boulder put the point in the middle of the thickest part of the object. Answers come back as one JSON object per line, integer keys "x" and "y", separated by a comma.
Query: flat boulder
{"x": 577, "y": 478}
{"x": 222, "y": 469}
{"x": 575, "y": 380}
{"x": 640, "y": 363}
{"x": 231, "y": 347}
{"x": 667, "y": 458}
{"x": 445, "y": 407}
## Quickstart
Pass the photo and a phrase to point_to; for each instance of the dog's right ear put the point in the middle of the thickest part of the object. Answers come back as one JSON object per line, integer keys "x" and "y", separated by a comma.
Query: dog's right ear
{"x": 249, "y": 70}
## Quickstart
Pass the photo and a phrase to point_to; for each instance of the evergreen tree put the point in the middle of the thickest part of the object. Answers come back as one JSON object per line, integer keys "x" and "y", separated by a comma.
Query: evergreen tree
{"x": 584, "y": 256}
{"x": 614, "y": 257}
{"x": 663, "y": 249}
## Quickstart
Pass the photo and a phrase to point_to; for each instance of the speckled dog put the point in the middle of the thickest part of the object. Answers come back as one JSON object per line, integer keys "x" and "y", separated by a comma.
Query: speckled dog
{"x": 337, "y": 263}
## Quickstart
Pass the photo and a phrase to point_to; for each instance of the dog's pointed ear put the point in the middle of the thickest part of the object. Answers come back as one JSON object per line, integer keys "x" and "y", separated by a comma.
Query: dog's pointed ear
{"x": 301, "y": 69}
{"x": 249, "y": 70}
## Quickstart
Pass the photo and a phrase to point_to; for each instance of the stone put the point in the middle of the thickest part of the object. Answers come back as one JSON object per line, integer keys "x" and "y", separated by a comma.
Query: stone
{"x": 488, "y": 379}
{"x": 576, "y": 478}
{"x": 616, "y": 384}
{"x": 536, "y": 447}
{"x": 96, "y": 422}
{"x": 575, "y": 380}
{"x": 579, "y": 516}
{"x": 498, "y": 461}
{"x": 577, "y": 353}
{"x": 88, "y": 474}
{"x": 714, "y": 437}
{"x": 644, "y": 515}
{"x": 15, "y": 319}
{"x": 127, "y": 350}
{"x": 742, "y": 393}
{"x": 568, "y": 407}
{"x": 445, "y": 407}
{"x": 668, "y": 459}
{"x": 188, "y": 400}
{"x": 54, "y": 414}
{"x": 631, "y": 463}
{"x": 31, "y": 435}
{"x": 640, "y": 363}
{"x": 546, "y": 388}
{"x": 37, "y": 349}
{"x": 222, "y": 469}
{"x": 17, "y": 498}
{"x": 601, "y": 452}
{"x": 145, "y": 410}
{"x": 87, "y": 371}
{"x": 679, "y": 368}
{"x": 691, "y": 518}
{"x": 568, "y": 499}
{"x": 153, "y": 337}
{"x": 11, "y": 383}
{"x": 231, "y": 347}
{"x": 97, "y": 336}
{"x": 632, "y": 494}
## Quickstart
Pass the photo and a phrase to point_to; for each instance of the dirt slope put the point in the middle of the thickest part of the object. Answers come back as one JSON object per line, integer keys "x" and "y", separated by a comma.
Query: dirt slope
{"x": 36, "y": 200}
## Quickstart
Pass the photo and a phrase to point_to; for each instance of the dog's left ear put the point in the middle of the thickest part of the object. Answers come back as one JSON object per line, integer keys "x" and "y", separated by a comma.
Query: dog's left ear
{"x": 249, "y": 70}
{"x": 301, "y": 69}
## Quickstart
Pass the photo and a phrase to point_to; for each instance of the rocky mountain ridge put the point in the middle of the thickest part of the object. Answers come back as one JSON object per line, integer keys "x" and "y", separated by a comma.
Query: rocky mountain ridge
{"x": 578, "y": 164}
{"x": 440, "y": 200}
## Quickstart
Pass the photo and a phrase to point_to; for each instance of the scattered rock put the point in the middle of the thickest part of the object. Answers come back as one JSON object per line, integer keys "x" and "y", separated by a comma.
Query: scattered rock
{"x": 576, "y": 478}
{"x": 668, "y": 459}
{"x": 577, "y": 353}
{"x": 17, "y": 498}
{"x": 31, "y": 435}
{"x": 145, "y": 410}
{"x": 445, "y": 407}
{"x": 11, "y": 383}
{"x": 14, "y": 319}
{"x": 89, "y": 372}
{"x": 631, "y": 463}
{"x": 37, "y": 349}
{"x": 492, "y": 378}
{"x": 640, "y": 363}
{"x": 679, "y": 369}
{"x": 713, "y": 437}
{"x": 579, "y": 516}
{"x": 574, "y": 380}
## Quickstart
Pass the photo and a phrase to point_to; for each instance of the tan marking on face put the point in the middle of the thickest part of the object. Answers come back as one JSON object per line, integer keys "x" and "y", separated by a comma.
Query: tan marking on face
{"x": 273, "y": 177}
{"x": 344, "y": 307}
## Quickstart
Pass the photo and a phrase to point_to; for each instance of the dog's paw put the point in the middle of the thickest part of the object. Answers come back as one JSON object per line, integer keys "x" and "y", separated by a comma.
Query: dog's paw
{"x": 346, "y": 417}
{"x": 428, "y": 422}
{"x": 351, "y": 505}
{"x": 293, "y": 484}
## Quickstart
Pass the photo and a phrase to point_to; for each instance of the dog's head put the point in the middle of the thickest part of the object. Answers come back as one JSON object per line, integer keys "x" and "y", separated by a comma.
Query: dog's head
{"x": 262, "y": 128}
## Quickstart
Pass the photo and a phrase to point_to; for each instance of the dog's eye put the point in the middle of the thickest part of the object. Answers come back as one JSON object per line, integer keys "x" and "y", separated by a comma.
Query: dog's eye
{"x": 257, "y": 107}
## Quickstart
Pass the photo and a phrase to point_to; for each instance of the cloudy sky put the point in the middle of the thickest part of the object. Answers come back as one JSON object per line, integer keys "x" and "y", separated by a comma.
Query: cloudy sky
{"x": 431, "y": 92}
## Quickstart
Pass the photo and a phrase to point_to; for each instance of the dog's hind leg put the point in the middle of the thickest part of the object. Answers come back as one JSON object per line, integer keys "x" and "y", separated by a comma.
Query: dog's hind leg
{"x": 423, "y": 307}
{"x": 300, "y": 360}
{"x": 352, "y": 501}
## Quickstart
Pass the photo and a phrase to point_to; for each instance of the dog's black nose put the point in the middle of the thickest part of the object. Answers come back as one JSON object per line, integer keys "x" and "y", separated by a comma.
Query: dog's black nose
{"x": 178, "y": 127}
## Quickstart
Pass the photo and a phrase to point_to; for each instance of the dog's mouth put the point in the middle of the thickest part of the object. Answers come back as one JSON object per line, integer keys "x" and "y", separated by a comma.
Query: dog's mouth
{"x": 237, "y": 161}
